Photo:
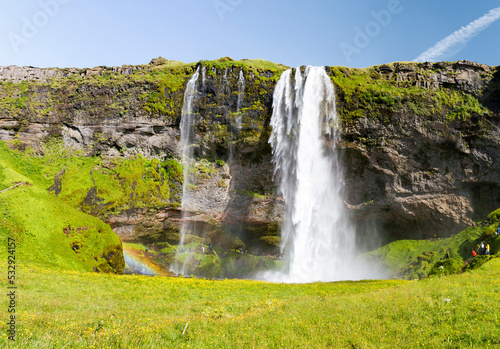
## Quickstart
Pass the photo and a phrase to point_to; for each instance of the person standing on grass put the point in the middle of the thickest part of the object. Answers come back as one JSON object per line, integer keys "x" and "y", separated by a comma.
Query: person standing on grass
{"x": 487, "y": 250}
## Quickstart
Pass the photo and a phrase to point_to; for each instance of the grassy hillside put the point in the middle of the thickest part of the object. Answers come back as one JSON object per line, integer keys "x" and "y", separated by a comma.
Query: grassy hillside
{"x": 411, "y": 259}
{"x": 48, "y": 230}
{"x": 88, "y": 310}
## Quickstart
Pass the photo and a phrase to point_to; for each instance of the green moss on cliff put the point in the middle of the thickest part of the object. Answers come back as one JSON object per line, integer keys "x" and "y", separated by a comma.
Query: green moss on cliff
{"x": 168, "y": 79}
{"x": 101, "y": 186}
{"x": 13, "y": 98}
{"x": 368, "y": 93}
{"x": 101, "y": 95}
{"x": 259, "y": 67}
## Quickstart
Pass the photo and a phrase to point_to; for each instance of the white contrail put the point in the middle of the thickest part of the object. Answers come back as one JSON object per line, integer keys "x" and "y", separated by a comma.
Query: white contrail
{"x": 456, "y": 41}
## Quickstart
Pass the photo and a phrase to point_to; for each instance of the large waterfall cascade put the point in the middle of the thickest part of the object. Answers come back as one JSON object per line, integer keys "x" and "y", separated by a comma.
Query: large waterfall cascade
{"x": 317, "y": 237}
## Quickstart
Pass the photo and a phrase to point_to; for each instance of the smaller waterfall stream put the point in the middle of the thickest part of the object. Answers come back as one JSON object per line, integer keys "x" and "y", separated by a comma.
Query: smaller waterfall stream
{"x": 186, "y": 143}
{"x": 241, "y": 94}
{"x": 187, "y": 131}
{"x": 224, "y": 89}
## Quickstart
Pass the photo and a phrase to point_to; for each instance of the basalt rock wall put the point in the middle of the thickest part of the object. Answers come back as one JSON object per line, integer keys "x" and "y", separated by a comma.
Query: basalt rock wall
{"x": 420, "y": 141}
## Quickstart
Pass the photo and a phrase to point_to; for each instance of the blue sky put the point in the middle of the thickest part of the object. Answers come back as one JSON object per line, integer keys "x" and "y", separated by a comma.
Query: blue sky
{"x": 358, "y": 33}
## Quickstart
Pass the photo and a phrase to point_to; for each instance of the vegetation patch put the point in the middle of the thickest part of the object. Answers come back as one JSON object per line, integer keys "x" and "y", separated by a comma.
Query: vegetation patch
{"x": 414, "y": 259}
{"x": 48, "y": 230}
{"x": 378, "y": 92}
{"x": 447, "y": 267}
{"x": 100, "y": 186}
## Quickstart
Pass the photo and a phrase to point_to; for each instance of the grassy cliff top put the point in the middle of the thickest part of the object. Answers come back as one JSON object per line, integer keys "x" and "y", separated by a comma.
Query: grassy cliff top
{"x": 34, "y": 74}
{"x": 442, "y": 90}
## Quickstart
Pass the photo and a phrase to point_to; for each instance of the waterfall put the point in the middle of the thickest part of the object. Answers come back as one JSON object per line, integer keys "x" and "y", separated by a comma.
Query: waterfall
{"x": 317, "y": 237}
{"x": 237, "y": 123}
{"x": 224, "y": 89}
{"x": 187, "y": 132}
{"x": 241, "y": 93}
{"x": 186, "y": 143}
{"x": 204, "y": 78}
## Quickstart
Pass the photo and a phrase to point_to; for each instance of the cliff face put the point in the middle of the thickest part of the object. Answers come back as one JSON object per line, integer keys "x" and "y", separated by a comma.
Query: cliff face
{"x": 430, "y": 165}
{"x": 420, "y": 142}
{"x": 425, "y": 180}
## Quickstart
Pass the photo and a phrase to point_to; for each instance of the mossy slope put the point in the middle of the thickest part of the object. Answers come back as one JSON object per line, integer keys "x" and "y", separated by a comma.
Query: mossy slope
{"x": 49, "y": 231}
{"x": 411, "y": 259}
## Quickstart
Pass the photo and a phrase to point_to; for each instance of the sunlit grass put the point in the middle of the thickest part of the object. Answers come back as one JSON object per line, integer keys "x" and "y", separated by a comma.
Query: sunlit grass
{"x": 84, "y": 310}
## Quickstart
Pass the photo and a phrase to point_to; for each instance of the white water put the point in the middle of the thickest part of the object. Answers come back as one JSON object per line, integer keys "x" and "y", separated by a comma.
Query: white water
{"x": 224, "y": 86}
{"x": 187, "y": 133}
{"x": 318, "y": 239}
{"x": 186, "y": 143}
{"x": 241, "y": 93}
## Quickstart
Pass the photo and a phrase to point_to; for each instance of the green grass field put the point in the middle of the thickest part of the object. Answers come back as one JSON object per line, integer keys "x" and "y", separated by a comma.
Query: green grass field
{"x": 69, "y": 309}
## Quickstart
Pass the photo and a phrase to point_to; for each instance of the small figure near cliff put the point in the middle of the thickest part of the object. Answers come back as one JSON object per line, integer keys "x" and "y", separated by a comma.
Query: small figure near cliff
{"x": 487, "y": 250}
{"x": 447, "y": 254}
{"x": 474, "y": 254}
